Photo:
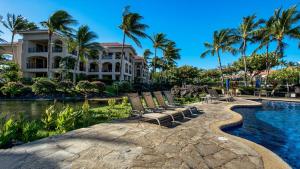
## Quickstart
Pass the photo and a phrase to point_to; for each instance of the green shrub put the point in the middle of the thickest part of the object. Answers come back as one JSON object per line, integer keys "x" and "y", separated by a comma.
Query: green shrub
{"x": 124, "y": 101}
{"x": 86, "y": 87}
{"x": 100, "y": 86}
{"x": 27, "y": 80}
{"x": 12, "y": 89}
{"x": 7, "y": 132}
{"x": 49, "y": 118}
{"x": 44, "y": 86}
{"x": 247, "y": 90}
{"x": 65, "y": 120}
{"x": 124, "y": 86}
{"x": 65, "y": 86}
{"x": 29, "y": 131}
{"x": 111, "y": 103}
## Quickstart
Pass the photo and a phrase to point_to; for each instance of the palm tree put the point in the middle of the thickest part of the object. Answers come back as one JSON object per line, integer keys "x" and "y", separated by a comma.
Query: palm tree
{"x": 132, "y": 28}
{"x": 59, "y": 21}
{"x": 222, "y": 40}
{"x": 265, "y": 37}
{"x": 84, "y": 43}
{"x": 15, "y": 23}
{"x": 244, "y": 34}
{"x": 146, "y": 55}
{"x": 171, "y": 54}
{"x": 285, "y": 25}
{"x": 159, "y": 41}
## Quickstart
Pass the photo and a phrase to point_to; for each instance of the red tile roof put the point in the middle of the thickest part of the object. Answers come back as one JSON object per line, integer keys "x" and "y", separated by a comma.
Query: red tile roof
{"x": 114, "y": 44}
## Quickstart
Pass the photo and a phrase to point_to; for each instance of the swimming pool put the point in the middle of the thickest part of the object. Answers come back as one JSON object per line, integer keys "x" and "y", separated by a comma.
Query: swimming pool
{"x": 275, "y": 125}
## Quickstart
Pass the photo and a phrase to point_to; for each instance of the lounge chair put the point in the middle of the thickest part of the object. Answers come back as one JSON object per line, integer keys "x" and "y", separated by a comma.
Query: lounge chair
{"x": 161, "y": 102}
{"x": 139, "y": 110}
{"x": 215, "y": 96}
{"x": 173, "y": 103}
{"x": 152, "y": 106}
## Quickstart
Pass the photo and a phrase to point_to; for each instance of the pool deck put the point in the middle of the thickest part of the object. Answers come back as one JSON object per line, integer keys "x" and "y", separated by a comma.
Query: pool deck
{"x": 198, "y": 143}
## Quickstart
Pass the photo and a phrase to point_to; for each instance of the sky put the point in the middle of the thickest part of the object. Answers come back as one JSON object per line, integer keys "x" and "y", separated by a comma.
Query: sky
{"x": 189, "y": 23}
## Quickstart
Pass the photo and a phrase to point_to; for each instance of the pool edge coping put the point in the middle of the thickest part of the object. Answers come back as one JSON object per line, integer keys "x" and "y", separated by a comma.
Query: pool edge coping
{"x": 270, "y": 159}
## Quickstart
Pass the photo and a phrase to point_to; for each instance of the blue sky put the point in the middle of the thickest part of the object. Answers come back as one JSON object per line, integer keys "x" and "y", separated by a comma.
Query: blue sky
{"x": 188, "y": 22}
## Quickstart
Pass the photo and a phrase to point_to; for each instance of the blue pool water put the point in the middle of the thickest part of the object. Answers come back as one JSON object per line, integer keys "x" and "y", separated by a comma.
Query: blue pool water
{"x": 275, "y": 125}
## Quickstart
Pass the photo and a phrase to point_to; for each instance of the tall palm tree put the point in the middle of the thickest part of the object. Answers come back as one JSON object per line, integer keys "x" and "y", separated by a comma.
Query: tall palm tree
{"x": 285, "y": 25}
{"x": 159, "y": 40}
{"x": 222, "y": 40}
{"x": 146, "y": 55}
{"x": 84, "y": 44}
{"x": 59, "y": 21}
{"x": 244, "y": 34}
{"x": 264, "y": 36}
{"x": 171, "y": 54}
{"x": 15, "y": 23}
{"x": 133, "y": 29}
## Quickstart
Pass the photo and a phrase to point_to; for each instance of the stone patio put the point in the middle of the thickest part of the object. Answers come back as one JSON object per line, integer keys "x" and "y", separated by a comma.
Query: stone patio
{"x": 130, "y": 145}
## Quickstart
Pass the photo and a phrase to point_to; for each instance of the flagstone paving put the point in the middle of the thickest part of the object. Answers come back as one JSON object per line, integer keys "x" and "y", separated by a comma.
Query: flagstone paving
{"x": 131, "y": 145}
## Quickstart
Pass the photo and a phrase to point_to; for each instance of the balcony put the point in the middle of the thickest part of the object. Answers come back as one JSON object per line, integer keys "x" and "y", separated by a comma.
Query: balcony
{"x": 107, "y": 57}
{"x": 57, "y": 50}
{"x": 36, "y": 50}
{"x": 41, "y": 50}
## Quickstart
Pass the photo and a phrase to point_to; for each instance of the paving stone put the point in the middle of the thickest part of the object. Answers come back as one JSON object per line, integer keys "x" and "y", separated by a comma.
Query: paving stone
{"x": 131, "y": 145}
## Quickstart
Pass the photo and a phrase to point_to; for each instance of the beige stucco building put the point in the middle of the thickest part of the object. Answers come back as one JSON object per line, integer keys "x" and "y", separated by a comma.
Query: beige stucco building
{"x": 31, "y": 54}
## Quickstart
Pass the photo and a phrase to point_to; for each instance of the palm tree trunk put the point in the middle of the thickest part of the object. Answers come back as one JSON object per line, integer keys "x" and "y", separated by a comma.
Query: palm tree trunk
{"x": 122, "y": 58}
{"x": 268, "y": 65}
{"x": 155, "y": 59}
{"x": 76, "y": 66}
{"x": 49, "y": 54}
{"x": 245, "y": 62}
{"x": 11, "y": 45}
{"x": 221, "y": 70}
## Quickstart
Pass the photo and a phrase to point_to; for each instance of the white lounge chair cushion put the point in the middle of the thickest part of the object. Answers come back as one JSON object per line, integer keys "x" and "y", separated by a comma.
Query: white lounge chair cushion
{"x": 154, "y": 115}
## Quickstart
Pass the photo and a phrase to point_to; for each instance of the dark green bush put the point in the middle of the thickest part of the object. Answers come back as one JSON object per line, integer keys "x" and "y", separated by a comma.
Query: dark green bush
{"x": 44, "y": 86}
{"x": 86, "y": 87}
{"x": 13, "y": 89}
{"x": 123, "y": 87}
{"x": 65, "y": 85}
{"x": 247, "y": 90}
{"x": 100, "y": 86}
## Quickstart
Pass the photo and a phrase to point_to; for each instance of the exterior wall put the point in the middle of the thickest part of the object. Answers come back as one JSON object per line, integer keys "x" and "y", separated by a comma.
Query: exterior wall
{"x": 31, "y": 55}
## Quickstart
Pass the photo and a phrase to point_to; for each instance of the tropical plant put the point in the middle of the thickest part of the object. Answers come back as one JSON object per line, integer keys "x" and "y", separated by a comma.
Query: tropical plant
{"x": 84, "y": 42}
{"x": 65, "y": 86}
{"x": 159, "y": 41}
{"x": 171, "y": 54}
{"x": 146, "y": 55}
{"x": 222, "y": 40}
{"x": 59, "y": 21}
{"x": 9, "y": 71}
{"x": 65, "y": 119}
{"x": 12, "y": 89}
{"x": 49, "y": 117}
{"x": 44, "y": 86}
{"x": 86, "y": 87}
{"x": 265, "y": 37}
{"x": 132, "y": 28}
{"x": 244, "y": 34}
{"x": 15, "y": 23}
{"x": 100, "y": 86}
{"x": 285, "y": 25}
{"x": 111, "y": 103}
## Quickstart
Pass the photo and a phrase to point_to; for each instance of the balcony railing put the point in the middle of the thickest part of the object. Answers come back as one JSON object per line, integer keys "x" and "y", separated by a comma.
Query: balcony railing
{"x": 106, "y": 57}
{"x": 106, "y": 70}
{"x": 39, "y": 50}
{"x": 36, "y": 50}
{"x": 57, "y": 50}
{"x": 35, "y": 66}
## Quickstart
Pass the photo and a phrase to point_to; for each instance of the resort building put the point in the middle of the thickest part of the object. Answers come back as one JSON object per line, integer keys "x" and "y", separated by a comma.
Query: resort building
{"x": 31, "y": 53}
